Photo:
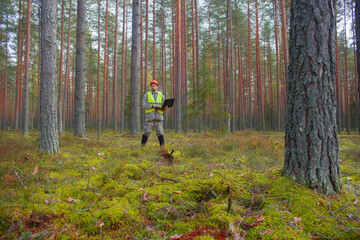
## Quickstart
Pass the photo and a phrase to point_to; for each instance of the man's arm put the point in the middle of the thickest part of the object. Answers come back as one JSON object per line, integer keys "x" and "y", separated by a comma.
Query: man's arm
{"x": 145, "y": 103}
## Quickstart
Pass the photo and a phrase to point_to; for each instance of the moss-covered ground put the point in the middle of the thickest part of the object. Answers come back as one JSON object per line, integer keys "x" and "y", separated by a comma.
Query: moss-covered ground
{"x": 219, "y": 186}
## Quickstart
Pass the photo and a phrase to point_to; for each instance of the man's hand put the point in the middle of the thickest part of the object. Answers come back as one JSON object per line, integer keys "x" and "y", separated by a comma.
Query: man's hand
{"x": 165, "y": 108}
{"x": 157, "y": 106}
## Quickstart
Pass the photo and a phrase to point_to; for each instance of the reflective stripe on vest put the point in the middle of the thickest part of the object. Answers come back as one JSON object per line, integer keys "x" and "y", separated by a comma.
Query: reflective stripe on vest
{"x": 152, "y": 100}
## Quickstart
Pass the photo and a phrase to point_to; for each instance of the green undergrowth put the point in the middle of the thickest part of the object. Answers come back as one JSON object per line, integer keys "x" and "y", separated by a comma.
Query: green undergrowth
{"x": 219, "y": 186}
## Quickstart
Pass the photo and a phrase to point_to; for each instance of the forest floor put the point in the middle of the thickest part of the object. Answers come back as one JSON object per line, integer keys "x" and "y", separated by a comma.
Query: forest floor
{"x": 218, "y": 186}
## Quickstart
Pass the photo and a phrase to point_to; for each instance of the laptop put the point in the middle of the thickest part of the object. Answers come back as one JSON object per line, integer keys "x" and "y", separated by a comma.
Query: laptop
{"x": 168, "y": 103}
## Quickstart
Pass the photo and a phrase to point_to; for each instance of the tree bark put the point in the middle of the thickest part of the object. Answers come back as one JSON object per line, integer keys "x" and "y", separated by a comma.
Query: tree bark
{"x": 146, "y": 43}
{"x": 61, "y": 64}
{"x": 135, "y": 70}
{"x": 123, "y": 79}
{"x": 80, "y": 74}
{"x": 105, "y": 69}
{"x": 178, "y": 68}
{"x": 18, "y": 69}
{"x": 249, "y": 67}
{"x": 231, "y": 96}
{"x": 260, "y": 106}
{"x": 311, "y": 141}
{"x": 346, "y": 86}
{"x": 98, "y": 77}
{"x": 67, "y": 75}
{"x": 49, "y": 139}
{"x": 26, "y": 79}
{"x": 154, "y": 41}
{"x": 357, "y": 26}
{"x": 115, "y": 84}
{"x": 197, "y": 72}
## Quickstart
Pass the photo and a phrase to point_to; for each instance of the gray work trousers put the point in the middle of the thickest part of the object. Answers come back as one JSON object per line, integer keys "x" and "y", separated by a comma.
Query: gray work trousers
{"x": 159, "y": 127}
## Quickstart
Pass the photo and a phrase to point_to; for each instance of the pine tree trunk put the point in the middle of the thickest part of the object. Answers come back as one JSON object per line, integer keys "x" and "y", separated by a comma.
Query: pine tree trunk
{"x": 346, "y": 86}
{"x": 123, "y": 80}
{"x": 5, "y": 120}
{"x": 178, "y": 68}
{"x": 26, "y": 79}
{"x": 146, "y": 43}
{"x": 61, "y": 63}
{"x": 135, "y": 70}
{"x": 357, "y": 26}
{"x": 231, "y": 96}
{"x": 49, "y": 139}
{"x": 98, "y": 77}
{"x": 80, "y": 75}
{"x": 154, "y": 42}
{"x": 105, "y": 72}
{"x": 356, "y": 94}
{"x": 67, "y": 75}
{"x": 18, "y": 69}
{"x": 193, "y": 51}
{"x": 311, "y": 141}
{"x": 284, "y": 36}
{"x": 260, "y": 106}
{"x": 115, "y": 87}
{"x": 198, "y": 81}
{"x": 338, "y": 90}
{"x": 277, "y": 69}
{"x": 249, "y": 69}
{"x": 38, "y": 76}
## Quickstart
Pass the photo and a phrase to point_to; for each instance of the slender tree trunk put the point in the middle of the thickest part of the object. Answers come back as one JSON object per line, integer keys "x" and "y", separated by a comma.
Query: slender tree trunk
{"x": 154, "y": 41}
{"x": 115, "y": 87}
{"x": 355, "y": 67}
{"x": 105, "y": 72}
{"x": 67, "y": 75}
{"x": 5, "y": 82}
{"x": 18, "y": 69}
{"x": 198, "y": 81}
{"x": 146, "y": 43}
{"x": 231, "y": 97}
{"x": 38, "y": 77}
{"x": 249, "y": 67}
{"x": 338, "y": 91}
{"x": 26, "y": 79}
{"x": 123, "y": 80}
{"x": 193, "y": 51}
{"x": 178, "y": 124}
{"x": 185, "y": 68}
{"x": 311, "y": 141}
{"x": 277, "y": 69}
{"x": 61, "y": 64}
{"x": 79, "y": 104}
{"x": 260, "y": 101}
{"x": 346, "y": 87}
{"x": 49, "y": 139}
{"x": 135, "y": 70}
{"x": 98, "y": 76}
{"x": 241, "y": 88}
{"x": 357, "y": 26}
{"x": 21, "y": 97}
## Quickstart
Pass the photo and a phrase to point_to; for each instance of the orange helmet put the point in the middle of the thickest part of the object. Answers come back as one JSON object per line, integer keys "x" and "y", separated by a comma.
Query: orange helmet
{"x": 154, "y": 82}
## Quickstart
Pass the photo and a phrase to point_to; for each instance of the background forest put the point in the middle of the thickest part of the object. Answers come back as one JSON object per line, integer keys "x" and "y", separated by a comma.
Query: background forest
{"x": 233, "y": 75}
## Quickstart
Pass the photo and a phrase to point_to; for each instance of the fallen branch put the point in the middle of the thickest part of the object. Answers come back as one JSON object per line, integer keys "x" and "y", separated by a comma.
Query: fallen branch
{"x": 164, "y": 178}
{"x": 18, "y": 177}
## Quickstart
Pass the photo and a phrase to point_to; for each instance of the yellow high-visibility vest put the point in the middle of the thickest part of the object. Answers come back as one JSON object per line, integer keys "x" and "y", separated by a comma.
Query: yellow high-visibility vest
{"x": 152, "y": 100}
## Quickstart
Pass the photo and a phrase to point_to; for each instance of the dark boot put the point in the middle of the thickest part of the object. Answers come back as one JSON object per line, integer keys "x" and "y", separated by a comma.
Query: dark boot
{"x": 144, "y": 140}
{"x": 161, "y": 140}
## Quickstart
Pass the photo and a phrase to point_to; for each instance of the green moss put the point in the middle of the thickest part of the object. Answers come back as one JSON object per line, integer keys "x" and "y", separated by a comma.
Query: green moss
{"x": 138, "y": 196}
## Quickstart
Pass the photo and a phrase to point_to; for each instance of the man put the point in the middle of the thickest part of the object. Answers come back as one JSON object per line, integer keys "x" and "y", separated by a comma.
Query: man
{"x": 152, "y": 102}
